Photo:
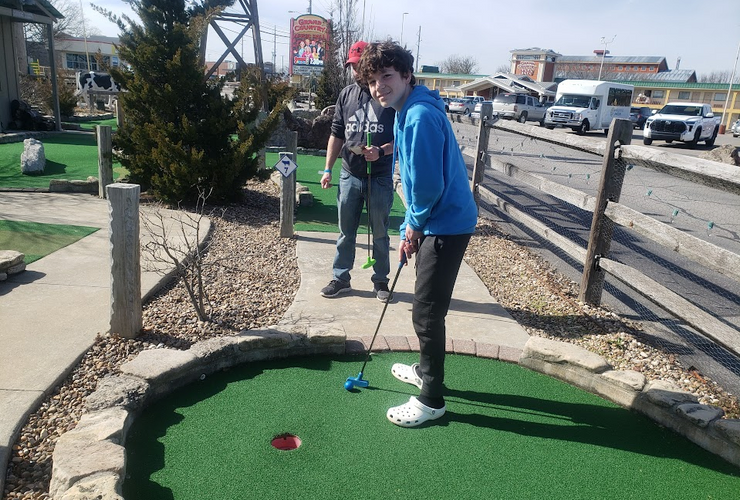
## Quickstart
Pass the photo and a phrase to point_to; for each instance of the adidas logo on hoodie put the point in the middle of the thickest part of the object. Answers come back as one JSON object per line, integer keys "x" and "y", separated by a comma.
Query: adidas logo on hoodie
{"x": 364, "y": 120}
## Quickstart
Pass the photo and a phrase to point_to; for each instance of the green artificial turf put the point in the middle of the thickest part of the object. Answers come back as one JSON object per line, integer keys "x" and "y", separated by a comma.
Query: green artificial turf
{"x": 90, "y": 125}
{"x": 322, "y": 215}
{"x": 68, "y": 156}
{"x": 509, "y": 433}
{"x": 37, "y": 240}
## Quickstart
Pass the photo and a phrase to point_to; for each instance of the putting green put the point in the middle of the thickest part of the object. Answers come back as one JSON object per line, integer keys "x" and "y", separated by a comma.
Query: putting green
{"x": 90, "y": 125}
{"x": 37, "y": 240}
{"x": 322, "y": 215}
{"x": 70, "y": 156}
{"x": 508, "y": 433}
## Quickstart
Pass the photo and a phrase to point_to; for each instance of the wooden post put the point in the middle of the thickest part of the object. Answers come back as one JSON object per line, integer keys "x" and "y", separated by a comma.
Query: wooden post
{"x": 481, "y": 149}
{"x": 287, "y": 190}
{"x": 119, "y": 112}
{"x": 261, "y": 162}
{"x": 610, "y": 188}
{"x": 125, "y": 256}
{"x": 105, "y": 158}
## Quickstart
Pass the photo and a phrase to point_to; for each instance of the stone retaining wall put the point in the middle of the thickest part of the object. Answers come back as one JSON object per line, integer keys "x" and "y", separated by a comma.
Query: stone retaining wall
{"x": 90, "y": 460}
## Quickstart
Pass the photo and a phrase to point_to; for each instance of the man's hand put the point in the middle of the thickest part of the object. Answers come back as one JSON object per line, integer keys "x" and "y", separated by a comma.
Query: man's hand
{"x": 371, "y": 153}
{"x": 326, "y": 180}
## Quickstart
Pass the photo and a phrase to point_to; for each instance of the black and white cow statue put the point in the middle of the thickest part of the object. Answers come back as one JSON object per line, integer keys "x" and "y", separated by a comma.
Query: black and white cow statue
{"x": 91, "y": 81}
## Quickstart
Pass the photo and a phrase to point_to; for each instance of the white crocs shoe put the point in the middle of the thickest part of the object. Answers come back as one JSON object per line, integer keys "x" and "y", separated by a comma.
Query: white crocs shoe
{"x": 406, "y": 373}
{"x": 413, "y": 413}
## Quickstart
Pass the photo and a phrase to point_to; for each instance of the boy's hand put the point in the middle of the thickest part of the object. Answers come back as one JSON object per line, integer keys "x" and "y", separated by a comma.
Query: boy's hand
{"x": 410, "y": 245}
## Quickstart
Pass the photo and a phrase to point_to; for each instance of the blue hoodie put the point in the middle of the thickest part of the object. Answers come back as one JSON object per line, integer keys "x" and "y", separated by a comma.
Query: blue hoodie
{"x": 433, "y": 173}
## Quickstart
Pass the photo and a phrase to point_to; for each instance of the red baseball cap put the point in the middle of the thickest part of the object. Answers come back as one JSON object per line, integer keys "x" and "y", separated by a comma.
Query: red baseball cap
{"x": 355, "y": 52}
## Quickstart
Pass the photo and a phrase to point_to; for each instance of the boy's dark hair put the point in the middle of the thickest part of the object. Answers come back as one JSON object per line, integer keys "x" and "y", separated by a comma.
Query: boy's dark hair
{"x": 379, "y": 55}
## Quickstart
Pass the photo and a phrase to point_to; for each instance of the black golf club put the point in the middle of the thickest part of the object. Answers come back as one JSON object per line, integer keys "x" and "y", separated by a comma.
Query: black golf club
{"x": 358, "y": 381}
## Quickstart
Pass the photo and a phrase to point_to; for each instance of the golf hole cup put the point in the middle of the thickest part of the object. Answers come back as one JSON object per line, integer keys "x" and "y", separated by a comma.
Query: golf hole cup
{"x": 286, "y": 442}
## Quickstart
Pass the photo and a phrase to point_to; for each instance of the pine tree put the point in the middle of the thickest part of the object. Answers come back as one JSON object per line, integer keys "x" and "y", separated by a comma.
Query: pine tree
{"x": 180, "y": 136}
{"x": 331, "y": 80}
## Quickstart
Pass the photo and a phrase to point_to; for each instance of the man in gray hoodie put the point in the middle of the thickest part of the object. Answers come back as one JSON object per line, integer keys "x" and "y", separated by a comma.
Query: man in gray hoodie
{"x": 356, "y": 115}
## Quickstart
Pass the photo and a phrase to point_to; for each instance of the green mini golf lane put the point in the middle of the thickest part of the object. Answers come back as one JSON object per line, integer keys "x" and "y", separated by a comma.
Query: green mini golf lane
{"x": 321, "y": 216}
{"x": 36, "y": 240}
{"x": 509, "y": 433}
{"x": 68, "y": 156}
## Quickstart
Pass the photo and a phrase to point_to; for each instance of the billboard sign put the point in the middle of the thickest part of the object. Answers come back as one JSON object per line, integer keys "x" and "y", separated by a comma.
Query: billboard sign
{"x": 309, "y": 35}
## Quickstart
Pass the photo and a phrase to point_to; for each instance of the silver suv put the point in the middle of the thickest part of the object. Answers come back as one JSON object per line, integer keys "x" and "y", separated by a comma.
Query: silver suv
{"x": 519, "y": 107}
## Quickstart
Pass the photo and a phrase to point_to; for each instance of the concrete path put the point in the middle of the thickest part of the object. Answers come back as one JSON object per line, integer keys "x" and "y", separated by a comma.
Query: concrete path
{"x": 474, "y": 314}
{"x": 51, "y": 312}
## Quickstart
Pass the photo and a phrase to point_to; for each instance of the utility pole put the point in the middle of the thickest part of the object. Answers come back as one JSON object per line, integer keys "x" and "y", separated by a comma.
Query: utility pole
{"x": 603, "y": 55}
{"x": 84, "y": 34}
{"x": 274, "y": 47}
{"x": 418, "y": 42}
{"x": 362, "y": 36}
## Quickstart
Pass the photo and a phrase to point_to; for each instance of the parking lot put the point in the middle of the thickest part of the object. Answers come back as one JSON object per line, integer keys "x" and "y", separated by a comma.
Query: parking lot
{"x": 675, "y": 147}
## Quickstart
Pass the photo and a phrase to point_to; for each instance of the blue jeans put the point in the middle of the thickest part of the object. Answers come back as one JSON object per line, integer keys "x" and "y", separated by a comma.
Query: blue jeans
{"x": 351, "y": 198}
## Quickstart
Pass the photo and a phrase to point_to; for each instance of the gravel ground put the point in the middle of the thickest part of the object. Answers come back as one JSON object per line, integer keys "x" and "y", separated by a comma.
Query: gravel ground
{"x": 252, "y": 277}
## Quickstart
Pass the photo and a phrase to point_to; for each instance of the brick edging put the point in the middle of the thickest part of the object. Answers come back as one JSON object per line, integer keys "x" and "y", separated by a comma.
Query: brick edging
{"x": 90, "y": 459}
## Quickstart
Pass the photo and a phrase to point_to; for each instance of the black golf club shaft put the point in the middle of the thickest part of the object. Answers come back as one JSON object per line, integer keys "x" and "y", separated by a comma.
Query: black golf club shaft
{"x": 390, "y": 296}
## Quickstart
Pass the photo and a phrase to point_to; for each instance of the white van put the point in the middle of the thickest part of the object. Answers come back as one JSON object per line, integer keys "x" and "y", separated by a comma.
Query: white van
{"x": 585, "y": 105}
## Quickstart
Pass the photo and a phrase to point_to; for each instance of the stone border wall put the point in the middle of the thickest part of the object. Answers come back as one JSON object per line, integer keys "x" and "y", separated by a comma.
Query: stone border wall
{"x": 90, "y": 460}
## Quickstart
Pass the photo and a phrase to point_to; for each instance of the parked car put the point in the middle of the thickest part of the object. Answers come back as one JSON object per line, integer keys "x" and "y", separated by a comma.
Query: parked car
{"x": 735, "y": 129}
{"x": 520, "y": 107}
{"x": 639, "y": 116}
{"x": 463, "y": 106}
{"x": 478, "y": 107}
{"x": 447, "y": 104}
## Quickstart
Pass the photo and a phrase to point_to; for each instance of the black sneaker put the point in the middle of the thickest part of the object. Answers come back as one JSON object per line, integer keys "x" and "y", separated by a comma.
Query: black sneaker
{"x": 381, "y": 292}
{"x": 334, "y": 288}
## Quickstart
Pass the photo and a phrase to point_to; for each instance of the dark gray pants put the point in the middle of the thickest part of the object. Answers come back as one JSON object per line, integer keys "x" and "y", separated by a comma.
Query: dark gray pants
{"x": 437, "y": 264}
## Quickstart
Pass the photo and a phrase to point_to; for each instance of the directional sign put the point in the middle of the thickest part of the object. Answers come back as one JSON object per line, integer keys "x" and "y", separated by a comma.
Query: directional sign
{"x": 286, "y": 166}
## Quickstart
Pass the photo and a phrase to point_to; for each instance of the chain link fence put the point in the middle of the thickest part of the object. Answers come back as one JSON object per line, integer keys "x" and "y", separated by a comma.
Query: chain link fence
{"x": 544, "y": 186}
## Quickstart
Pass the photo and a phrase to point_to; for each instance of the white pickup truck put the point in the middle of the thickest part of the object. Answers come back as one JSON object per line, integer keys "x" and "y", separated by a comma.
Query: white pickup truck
{"x": 688, "y": 122}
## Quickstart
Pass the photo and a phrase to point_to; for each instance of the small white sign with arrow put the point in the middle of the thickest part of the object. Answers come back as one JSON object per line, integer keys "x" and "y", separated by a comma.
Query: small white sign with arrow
{"x": 286, "y": 165}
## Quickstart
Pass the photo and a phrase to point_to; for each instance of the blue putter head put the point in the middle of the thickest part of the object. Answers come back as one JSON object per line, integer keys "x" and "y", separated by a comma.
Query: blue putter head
{"x": 357, "y": 381}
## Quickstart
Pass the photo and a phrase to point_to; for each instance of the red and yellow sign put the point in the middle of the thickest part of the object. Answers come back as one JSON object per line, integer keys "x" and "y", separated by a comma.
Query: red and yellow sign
{"x": 309, "y": 35}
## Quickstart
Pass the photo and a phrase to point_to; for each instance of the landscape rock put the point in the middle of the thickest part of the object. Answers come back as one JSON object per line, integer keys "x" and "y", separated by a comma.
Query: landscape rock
{"x": 75, "y": 458}
{"x": 102, "y": 486}
{"x": 666, "y": 395}
{"x": 311, "y": 134}
{"x": 118, "y": 390}
{"x": 701, "y": 415}
{"x": 74, "y": 186}
{"x": 730, "y": 428}
{"x": 562, "y": 353}
{"x": 10, "y": 259}
{"x": 33, "y": 158}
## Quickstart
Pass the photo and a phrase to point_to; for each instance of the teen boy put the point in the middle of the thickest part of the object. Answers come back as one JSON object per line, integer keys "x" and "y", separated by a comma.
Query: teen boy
{"x": 440, "y": 217}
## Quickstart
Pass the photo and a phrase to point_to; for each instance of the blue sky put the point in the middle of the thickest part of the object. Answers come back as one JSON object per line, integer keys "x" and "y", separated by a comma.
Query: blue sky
{"x": 487, "y": 31}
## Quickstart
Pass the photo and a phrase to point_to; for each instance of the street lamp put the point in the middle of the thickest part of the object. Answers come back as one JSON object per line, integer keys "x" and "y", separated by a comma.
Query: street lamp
{"x": 603, "y": 55}
{"x": 729, "y": 91}
{"x": 403, "y": 17}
